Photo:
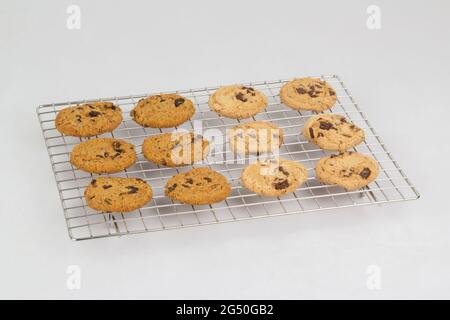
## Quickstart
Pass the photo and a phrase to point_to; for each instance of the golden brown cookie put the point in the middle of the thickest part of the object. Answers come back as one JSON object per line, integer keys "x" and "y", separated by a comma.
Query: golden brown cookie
{"x": 198, "y": 186}
{"x": 175, "y": 149}
{"x": 308, "y": 94}
{"x": 163, "y": 111}
{"x": 274, "y": 177}
{"x": 237, "y": 102}
{"x": 255, "y": 137}
{"x": 332, "y": 132}
{"x": 117, "y": 194}
{"x": 90, "y": 119}
{"x": 350, "y": 170}
{"x": 103, "y": 155}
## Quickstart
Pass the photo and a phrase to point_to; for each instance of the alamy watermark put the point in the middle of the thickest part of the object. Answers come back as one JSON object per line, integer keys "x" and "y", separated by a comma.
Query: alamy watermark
{"x": 73, "y": 21}
{"x": 374, "y": 17}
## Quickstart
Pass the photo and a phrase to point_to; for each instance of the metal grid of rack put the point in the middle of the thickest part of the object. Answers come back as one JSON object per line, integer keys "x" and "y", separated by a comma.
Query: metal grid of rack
{"x": 161, "y": 213}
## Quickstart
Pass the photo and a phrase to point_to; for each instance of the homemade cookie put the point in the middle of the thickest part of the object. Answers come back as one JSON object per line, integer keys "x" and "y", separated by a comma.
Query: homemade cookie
{"x": 332, "y": 132}
{"x": 308, "y": 94}
{"x": 163, "y": 111}
{"x": 90, "y": 119}
{"x": 175, "y": 149}
{"x": 117, "y": 194}
{"x": 198, "y": 186}
{"x": 255, "y": 137}
{"x": 350, "y": 170}
{"x": 237, "y": 102}
{"x": 103, "y": 155}
{"x": 273, "y": 177}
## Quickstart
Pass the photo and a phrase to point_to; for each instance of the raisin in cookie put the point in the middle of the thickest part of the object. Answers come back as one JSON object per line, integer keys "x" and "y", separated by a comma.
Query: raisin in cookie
{"x": 255, "y": 137}
{"x": 88, "y": 119}
{"x": 103, "y": 155}
{"x": 350, "y": 170}
{"x": 198, "y": 186}
{"x": 117, "y": 194}
{"x": 308, "y": 94}
{"x": 163, "y": 111}
{"x": 274, "y": 177}
{"x": 332, "y": 132}
{"x": 237, "y": 102}
{"x": 175, "y": 149}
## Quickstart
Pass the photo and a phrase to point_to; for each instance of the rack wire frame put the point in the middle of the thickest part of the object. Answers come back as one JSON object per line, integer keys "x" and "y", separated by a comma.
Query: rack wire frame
{"x": 161, "y": 213}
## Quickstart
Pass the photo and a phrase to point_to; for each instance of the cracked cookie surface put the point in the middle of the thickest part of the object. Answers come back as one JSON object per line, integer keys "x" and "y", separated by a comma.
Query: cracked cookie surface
{"x": 255, "y": 137}
{"x": 274, "y": 177}
{"x": 350, "y": 170}
{"x": 87, "y": 120}
{"x": 112, "y": 194}
{"x": 198, "y": 186}
{"x": 237, "y": 102}
{"x": 332, "y": 132}
{"x": 175, "y": 149}
{"x": 163, "y": 111}
{"x": 308, "y": 94}
{"x": 103, "y": 155}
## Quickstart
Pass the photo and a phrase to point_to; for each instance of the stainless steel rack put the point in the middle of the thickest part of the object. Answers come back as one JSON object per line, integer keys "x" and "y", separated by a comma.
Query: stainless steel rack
{"x": 161, "y": 213}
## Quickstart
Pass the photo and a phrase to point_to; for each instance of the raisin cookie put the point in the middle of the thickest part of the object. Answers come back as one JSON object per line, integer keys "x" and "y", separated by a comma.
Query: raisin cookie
{"x": 117, "y": 194}
{"x": 255, "y": 137}
{"x": 198, "y": 186}
{"x": 274, "y": 177}
{"x": 163, "y": 111}
{"x": 103, "y": 155}
{"x": 175, "y": 149}
{"x": 237, "y": 102}
{"x": 332, "y": 132}
{"x": 87, "y": 120}
{"x": 350, "y": 170}
{"x": 308, "y": 94}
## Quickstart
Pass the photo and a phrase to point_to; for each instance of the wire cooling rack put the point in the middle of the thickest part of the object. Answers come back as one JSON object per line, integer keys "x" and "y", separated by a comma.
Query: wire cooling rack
{"x": 161, "y": 213}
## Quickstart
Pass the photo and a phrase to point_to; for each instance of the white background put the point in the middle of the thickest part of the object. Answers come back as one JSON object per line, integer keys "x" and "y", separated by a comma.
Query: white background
{"x": 399, "y": 75}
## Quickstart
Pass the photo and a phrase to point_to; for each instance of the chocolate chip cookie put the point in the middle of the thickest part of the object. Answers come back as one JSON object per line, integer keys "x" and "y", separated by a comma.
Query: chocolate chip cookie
{"x": 175, "y": 149}
{"x": 117, "y": 194}
{"x": 198, "y": 186}
{"x": 255, "y": 137}
{"x": 87, "y": 120}
{"x": 274, "y": 177}
{"x": 308, "y": 94}
{"x": 163, "y": 111}
{"x": 350, "y": 170}
{"x": 103, "y": 155}
{"x": 332, "y": 132}
{"x": 237, "y": 102}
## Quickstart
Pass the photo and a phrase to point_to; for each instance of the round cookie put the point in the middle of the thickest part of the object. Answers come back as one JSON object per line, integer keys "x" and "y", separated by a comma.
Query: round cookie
{"x": 237, "y": 102}
{"x": 163, "y": 111}
{"x": 255, "y": 137}
{"x": 87, "y": 120}
{"x": 274, "y": 177}
{"x": 308, "y": 94}
{"x": 117, "y": 194}
{"x": 103, "y": 155}
{"x": 332, "y": 132}
{"x": 175, "y": 149}
{"x": 350, "y": 170}
{"x": 198, "y": 186}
